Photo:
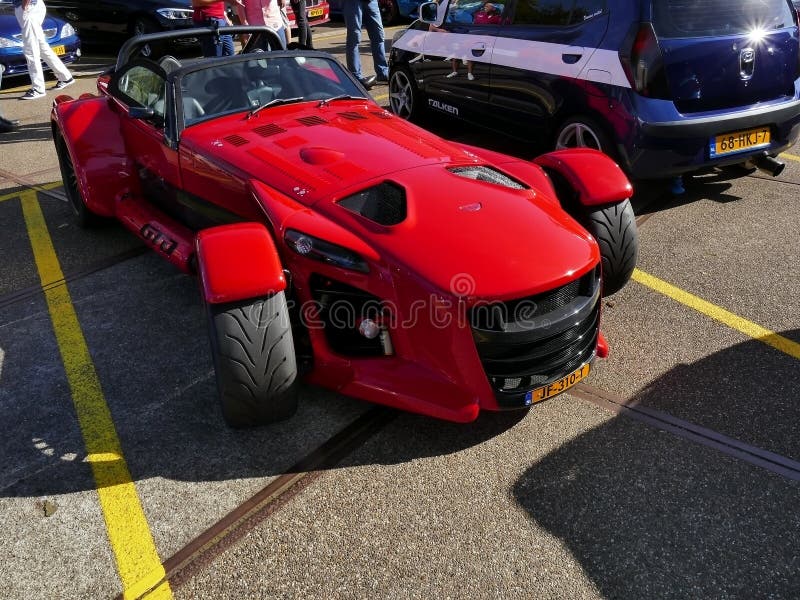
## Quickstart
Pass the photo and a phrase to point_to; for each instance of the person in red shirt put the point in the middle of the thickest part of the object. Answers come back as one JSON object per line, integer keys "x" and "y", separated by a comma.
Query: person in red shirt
{"x": 206, "y": 14}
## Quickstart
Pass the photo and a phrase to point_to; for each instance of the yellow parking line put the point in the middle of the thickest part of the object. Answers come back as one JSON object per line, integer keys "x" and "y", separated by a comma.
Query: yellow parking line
{"x": 790, "y": 156}
{"x": 138, "y": 563}
{"x": 746, "y": 327}
{"x": 44, "y": 186}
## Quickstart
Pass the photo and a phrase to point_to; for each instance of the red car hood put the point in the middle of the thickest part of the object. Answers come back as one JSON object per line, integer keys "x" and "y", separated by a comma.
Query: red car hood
{"x": 460, "y": 235}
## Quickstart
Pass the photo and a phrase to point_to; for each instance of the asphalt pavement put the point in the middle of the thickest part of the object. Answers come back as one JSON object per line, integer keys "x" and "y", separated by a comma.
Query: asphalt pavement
{"x": 682, "y": 484}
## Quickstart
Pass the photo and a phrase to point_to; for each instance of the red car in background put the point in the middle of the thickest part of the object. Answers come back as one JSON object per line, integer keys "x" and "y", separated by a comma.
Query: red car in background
{"x": 318, "y": 12}
{"x": 338, "y": 242}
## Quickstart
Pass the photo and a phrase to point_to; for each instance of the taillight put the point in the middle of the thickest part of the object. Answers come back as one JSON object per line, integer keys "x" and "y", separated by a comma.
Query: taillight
{"x": 643, "y": 63}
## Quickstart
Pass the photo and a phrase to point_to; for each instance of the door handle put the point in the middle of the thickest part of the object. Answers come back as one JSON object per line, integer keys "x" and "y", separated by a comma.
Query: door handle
{"x": 478, "y": 50}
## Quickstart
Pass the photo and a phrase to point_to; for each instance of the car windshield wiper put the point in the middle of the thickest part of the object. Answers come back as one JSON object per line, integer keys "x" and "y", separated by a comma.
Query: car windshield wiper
{"x": 325, "y": 101}
{"x": 274, "y": 102}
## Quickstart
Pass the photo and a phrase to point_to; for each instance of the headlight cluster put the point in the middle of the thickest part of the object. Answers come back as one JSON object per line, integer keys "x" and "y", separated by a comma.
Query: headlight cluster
{"x": 10, "y": 43}
{"x": 175, "y": 13}
{"x": 67, "y": 31}
{"x": 323, "y": 251}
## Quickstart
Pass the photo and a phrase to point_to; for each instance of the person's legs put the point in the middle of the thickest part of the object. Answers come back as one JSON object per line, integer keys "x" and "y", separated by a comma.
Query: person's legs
{"x": 51, "y": 58}
{"x": 301, "y": 19}
{"x": 28, "y": 22}
{"x": 374, "y": 26}
{"x": 210, "y": 46}
{"x": 227, "y": 45}
{"x": 351, "y": 10}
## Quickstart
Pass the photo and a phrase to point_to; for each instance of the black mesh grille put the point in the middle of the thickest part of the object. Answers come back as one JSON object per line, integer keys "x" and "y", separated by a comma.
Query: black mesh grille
{"x": 384, "y": 204}
{"x": 557, "y": 334}
{"x": 352, "y": 116}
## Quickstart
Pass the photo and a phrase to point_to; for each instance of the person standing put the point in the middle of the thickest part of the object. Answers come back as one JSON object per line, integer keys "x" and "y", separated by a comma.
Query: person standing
{"x": 30, "y": 16}
{"x": 208, "y": 13}
{"x": 301, "y": 20}
{"x": 265, "y": 12}
{"x": 6, "y": 125}
{"x": 366, "y": 13}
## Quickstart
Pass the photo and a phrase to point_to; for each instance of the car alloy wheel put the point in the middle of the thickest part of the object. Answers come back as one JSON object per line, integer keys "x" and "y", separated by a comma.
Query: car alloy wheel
{"x": 402, "y": 95}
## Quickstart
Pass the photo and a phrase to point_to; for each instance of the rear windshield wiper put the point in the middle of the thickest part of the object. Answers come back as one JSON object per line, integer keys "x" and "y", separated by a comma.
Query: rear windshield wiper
{"x": 325, "y": 101}
{"x": 274, "y": 102}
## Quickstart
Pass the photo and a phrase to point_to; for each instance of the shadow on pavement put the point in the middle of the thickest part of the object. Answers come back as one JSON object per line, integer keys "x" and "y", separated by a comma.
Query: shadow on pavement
{"x": 648, "y": 515}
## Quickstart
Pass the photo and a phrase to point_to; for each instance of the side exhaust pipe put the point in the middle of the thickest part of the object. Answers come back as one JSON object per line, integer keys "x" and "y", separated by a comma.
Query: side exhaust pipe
{"x": 768, "y": 164}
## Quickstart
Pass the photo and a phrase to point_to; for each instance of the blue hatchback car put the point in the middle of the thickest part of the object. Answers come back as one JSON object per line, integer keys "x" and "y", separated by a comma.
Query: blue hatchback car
{"x": 665, "y": 87}
{"x": 60, "y": 35}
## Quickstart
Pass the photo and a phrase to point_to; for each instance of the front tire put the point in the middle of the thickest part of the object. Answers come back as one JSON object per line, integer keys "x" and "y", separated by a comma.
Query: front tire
{"x": 84, "y": 216}
{"x": 143, "y": 26}
{"x": 614, "y": 228}
{"x": 254, "y": 360}
{"x": 404, "y": 96}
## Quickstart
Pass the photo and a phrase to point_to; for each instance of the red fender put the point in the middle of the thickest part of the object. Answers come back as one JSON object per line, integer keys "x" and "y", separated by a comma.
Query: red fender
{"x": 597, "y": 179}
{"x": 238, "y": 261}
{"x": 91, "y": 131}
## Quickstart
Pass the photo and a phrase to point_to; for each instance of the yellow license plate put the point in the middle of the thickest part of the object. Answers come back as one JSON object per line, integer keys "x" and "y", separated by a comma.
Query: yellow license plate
{"x": 562, "y": 385}
{"x": 737, "y": 141}
{"x": 60, "y": 50}
{"x": 316, "y": 12}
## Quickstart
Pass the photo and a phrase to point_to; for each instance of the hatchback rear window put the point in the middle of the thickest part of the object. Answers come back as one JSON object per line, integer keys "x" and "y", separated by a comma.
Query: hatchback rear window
{"x": 699, "y": 18}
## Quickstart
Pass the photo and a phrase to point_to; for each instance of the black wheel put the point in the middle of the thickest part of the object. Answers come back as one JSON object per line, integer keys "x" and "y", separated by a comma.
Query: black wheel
{"x": 251, "y": 343}
{"x": 404, "y": 97}
{"x": 389, "y": 11}
{"x": 142, "y": 26}
{"x": 583, "y": 132}
{"x": 84, "y": 216}
{"x": 614, "y": 228}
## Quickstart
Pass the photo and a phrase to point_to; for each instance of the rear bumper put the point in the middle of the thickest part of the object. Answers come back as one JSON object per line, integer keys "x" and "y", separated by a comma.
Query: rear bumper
{"x": 658, "y": 147}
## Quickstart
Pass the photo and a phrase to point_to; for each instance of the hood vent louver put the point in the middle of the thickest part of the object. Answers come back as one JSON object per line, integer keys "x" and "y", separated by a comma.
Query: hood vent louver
{"x": 312, "y": 120}
{"x": 268, "y": 130}
{"x": 236, "y": 140}
{"x": 384, "y": 204}
{"x": 352, "y": 116}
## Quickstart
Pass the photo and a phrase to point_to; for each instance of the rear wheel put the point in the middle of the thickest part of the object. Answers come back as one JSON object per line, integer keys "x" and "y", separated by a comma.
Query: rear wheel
{"x": 404, "y": 97}
{"x": 84, "y": 216}
{"x": 583, "y": 132}
{"x": 614, "y": 228}
{"x": 143, "y": 26}
{"x": 251, "y": 344}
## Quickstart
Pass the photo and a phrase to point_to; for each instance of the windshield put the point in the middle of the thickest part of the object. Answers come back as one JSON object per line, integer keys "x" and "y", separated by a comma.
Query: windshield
{"x": 260, "y": 79}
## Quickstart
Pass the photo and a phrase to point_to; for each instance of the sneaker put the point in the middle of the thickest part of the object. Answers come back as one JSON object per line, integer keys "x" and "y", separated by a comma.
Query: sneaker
{"x": 451, "y": 75}
{"x": 32, "y": 94}
{"x": 62, "y": 84}
{"x": 470, "y": 76}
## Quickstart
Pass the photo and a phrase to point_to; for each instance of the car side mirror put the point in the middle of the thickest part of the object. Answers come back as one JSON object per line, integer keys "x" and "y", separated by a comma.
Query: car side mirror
{"x": 429, "y": 12}
{"x": 141, "y": 112}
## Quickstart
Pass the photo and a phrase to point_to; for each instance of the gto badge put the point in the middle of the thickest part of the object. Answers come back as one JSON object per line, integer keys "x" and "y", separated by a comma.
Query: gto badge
{"x": 747, "y": 63}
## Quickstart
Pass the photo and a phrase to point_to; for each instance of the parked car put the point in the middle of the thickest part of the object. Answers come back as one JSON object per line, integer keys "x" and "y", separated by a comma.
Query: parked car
{"x": 111, "y": 20}
{"x": 61, "y": 37}
{"x": 391, "y": 10}
{"x": 664, "y": 87}
{"x": 442, "y": 279}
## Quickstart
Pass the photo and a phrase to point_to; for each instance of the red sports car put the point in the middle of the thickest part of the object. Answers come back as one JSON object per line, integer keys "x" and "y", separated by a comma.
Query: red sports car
{"x": 338, "y": 242}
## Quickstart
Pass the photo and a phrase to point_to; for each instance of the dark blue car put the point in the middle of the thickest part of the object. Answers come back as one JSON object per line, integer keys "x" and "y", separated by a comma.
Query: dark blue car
{"x": 60, "y": 35}
{"x": 663, "y": 86}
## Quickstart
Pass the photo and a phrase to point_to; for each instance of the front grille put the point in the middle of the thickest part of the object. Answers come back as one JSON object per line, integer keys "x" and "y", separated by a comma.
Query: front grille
{"x": 556, "y": 334}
